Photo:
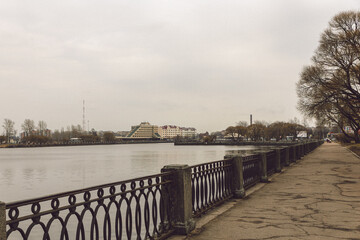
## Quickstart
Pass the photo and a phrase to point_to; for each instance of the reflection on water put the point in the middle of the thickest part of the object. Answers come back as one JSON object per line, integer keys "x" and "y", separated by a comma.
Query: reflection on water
{"x": 33, "y": 172}
{"x": 244, "y": 152}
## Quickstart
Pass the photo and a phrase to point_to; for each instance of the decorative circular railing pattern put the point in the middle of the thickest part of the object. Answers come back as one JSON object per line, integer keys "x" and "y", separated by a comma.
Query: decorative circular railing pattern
{"x": 211, "y": 184}
{"x": 132, "y": 209}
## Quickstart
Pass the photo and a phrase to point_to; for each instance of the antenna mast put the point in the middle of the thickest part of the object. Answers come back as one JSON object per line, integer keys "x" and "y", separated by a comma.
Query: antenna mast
{"x": 83, "y": 125}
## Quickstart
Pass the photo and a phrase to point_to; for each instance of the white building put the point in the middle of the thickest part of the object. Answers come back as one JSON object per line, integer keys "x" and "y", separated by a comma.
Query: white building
{"x": 169, "y": 131}
{"x": 188, "y": 132}
{"x": 172, "y": 131}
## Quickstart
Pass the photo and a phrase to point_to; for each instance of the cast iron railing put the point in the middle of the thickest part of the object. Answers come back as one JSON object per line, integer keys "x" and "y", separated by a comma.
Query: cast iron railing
{"x": 282, "y": 157}
{"x": 270, "y": 162}
{"x": 211, "y": 184}
{"x": 142, "y": 208}
{"x": 297, "y": 151}
{"x": 132, "y": 209}
{"x": 291, "y": 154}
{"x": 251, "y": 170}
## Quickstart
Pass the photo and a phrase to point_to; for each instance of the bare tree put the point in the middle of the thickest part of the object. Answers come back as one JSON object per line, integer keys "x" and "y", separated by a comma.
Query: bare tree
{"x": 42, "y": 126}
{"x": 8, "y": 126}
{"x": 76, "y": 130}
{"x": 241, "y": 131}
{"x": 109, "y": 137}
{"x": 257, "y": 130}
{"x": 242, "y": 123}
{"x": 231, "y": 130}
{"x": 28, "y": 127}
{"x": 329, "y": 89}
{"x": 277, "y": 130}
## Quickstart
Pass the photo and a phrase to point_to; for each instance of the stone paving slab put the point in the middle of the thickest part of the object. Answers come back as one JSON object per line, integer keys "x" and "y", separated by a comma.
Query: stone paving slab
{"x": 316, "y": 198}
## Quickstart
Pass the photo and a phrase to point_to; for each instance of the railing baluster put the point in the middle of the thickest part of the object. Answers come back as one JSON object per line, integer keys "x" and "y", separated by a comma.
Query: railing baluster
{"x": 122, "y": 212}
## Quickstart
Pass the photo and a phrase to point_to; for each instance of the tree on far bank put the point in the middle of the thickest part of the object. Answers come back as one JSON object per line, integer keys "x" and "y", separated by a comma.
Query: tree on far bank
{"x": 242, "y": 123}
{"x": 241, "y": 132}
{"x": 109, "y": 137}
{"x": 75, "y": 131}
{"x": 276, "y": 130}
{"x": 329, "y": 89}
{"x": 42, "y": 126}
{"x": 8, "y": 126}
{"x": 28, "y": 127}
{"x": 231, "y": 131}
{"x": 293, "y": 129}
{"x": 209, "y": 139}
{"x": 256, "y": 131}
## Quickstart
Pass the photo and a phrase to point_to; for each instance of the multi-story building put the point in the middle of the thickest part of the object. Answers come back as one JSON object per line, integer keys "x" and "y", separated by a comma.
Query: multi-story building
{"x": 188, "y": 132}
{"x": 144, "y": 130}
{"x": 171, "y": 131}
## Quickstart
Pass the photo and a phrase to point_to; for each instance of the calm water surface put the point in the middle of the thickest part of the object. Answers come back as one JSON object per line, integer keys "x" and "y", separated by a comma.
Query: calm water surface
{"x": 34, "y": 172}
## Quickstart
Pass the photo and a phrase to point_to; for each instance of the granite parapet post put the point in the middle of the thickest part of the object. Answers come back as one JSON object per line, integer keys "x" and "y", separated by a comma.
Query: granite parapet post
{"x": 277, "y": 160}
{"x": 180, "y": 198}
{"x": 2, "y": 221}
{"x": 287, "y": 156}
{"x": 263, "y": 168}
{"x": 238, "y": 177}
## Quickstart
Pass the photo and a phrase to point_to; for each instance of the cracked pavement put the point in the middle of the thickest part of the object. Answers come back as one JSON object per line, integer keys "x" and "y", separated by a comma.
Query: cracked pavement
{"x": 316, "y": 198}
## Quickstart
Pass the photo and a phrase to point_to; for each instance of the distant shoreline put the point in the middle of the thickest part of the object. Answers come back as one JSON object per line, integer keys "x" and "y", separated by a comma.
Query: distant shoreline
{"x": 234, "y": 143}
{"x": 20, "y": 145}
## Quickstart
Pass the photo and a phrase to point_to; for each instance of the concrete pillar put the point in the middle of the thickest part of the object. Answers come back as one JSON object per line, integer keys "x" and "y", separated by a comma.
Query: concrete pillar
{"x": 287, "y": 156}
{"x": 2, "y": 221}
{"x": 238, "y": 177}
{"x": 180, "y": 198}
{"x": 277, "y": 160}
{"x": 263, "y": 168}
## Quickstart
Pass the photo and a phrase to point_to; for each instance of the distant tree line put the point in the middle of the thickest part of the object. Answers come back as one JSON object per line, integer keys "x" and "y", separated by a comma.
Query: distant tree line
{"x": 39, "y": 134}
{"x": 261, "y": 131}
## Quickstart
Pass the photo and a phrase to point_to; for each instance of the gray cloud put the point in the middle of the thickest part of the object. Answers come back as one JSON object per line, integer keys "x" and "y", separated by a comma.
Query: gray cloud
{"x": 206, "y": 64}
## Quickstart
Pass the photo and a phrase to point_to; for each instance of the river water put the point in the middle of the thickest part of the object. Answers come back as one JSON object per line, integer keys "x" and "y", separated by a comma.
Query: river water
{"x": 33, "y": 172}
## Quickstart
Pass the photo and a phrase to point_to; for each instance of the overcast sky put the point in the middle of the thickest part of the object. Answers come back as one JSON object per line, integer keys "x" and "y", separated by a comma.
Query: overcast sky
{"x": 205, "y": 64}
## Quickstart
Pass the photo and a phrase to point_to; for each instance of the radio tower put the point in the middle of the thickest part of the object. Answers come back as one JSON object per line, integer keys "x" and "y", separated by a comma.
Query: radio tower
{"x": 83, "y": 125}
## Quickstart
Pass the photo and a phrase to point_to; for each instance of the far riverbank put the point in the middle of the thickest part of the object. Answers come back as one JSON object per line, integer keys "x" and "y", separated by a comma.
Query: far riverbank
{"x": 242, "y": 143}
{"x": 72, "y": 144}
{"x": 176, "y": 143}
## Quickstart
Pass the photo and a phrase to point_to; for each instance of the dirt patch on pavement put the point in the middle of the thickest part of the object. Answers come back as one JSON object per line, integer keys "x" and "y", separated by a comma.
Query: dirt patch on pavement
{"x": 355, "y": 148}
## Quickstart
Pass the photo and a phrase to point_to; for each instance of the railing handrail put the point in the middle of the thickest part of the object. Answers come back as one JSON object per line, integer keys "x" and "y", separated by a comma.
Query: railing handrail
{"x": 78, "y": 191}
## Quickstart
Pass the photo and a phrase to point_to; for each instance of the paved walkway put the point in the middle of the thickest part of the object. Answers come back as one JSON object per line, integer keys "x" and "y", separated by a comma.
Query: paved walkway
{"x": 316, "y": 198}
